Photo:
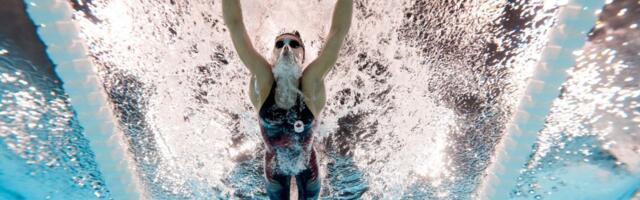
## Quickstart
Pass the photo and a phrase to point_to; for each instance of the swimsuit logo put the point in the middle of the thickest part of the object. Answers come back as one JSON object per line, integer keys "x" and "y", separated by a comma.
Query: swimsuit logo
{"x": 298, "y": 126}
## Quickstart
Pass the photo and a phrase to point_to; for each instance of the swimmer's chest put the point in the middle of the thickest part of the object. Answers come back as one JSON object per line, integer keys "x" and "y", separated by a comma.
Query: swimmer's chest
{"x": 277, "y": 122}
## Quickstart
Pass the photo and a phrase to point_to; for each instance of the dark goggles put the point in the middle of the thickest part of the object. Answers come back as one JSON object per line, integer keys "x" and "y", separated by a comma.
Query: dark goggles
{"x": 292, "y": 43}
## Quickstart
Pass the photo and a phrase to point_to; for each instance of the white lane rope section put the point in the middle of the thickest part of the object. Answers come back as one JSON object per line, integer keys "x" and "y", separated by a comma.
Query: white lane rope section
{"x": 87, "y": 96}
{"x": 575, "y": 19}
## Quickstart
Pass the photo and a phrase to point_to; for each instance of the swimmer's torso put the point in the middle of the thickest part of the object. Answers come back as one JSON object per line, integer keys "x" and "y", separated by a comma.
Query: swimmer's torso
{"x": 283, "y": 127}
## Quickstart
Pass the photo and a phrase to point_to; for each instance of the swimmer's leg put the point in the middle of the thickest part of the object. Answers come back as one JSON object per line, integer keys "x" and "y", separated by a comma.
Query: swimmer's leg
{"x": 277, "y": 185}
{"x": 308, "y": 181}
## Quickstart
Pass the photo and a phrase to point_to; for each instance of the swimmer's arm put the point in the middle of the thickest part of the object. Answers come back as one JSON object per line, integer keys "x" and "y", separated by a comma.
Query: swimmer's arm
{"x": 258, "y": 65}
{"x": 340, "y": 24}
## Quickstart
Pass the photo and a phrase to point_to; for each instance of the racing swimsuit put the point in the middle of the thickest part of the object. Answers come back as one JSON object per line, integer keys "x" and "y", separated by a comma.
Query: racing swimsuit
{"x": 284, "y": 128}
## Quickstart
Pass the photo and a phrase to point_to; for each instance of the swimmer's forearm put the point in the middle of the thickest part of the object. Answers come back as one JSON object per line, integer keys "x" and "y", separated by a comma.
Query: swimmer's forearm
{"x": 340, "y": 24}
{"x": 232, "y": 13}
{"x": 328, "y": 57}
{"x": 341, "y": 20}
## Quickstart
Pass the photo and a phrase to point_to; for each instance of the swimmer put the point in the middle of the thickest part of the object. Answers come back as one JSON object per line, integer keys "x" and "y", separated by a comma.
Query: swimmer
{"x": 288, "y": 99}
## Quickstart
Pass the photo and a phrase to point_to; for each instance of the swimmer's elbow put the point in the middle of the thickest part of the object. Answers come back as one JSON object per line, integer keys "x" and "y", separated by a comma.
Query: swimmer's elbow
{"x": 340, "y": 33}
{"x": 232, "y": 21}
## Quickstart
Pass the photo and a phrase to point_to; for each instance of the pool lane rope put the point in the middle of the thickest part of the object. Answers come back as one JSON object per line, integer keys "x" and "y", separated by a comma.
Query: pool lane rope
{"x": 575, "y": 19}
{"x": 87, "y": 96}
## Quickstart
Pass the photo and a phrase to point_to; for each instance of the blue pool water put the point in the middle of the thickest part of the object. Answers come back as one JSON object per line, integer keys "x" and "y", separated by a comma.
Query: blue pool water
{"x": 44, "y": 153}
{"x": 417, "y": 105}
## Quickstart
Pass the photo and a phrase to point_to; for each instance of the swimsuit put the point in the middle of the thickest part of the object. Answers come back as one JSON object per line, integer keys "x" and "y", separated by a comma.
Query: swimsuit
{"x": 283, "y": 127}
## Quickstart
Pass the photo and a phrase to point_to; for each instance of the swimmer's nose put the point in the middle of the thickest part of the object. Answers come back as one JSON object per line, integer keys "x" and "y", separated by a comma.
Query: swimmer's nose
{"x": 285, "y": 51}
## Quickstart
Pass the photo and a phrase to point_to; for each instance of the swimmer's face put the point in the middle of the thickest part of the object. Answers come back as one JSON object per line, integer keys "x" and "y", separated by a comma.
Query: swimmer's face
{"x": 289, "y": 45}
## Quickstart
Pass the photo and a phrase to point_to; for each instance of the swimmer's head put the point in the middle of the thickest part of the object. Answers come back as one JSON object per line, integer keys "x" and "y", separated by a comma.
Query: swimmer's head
{"x": 289, "y": 44}
{"x": 288, "y": 55}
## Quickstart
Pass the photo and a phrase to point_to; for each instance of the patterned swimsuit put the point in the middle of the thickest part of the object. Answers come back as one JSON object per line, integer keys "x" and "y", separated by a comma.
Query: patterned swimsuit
{"x": 283, "y": 127}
